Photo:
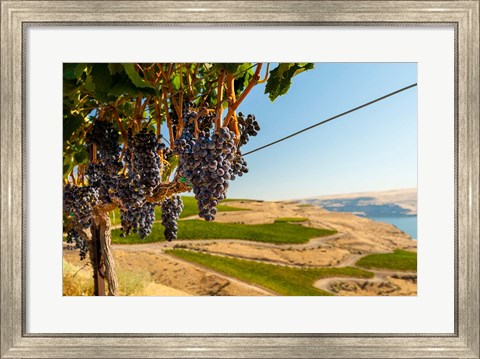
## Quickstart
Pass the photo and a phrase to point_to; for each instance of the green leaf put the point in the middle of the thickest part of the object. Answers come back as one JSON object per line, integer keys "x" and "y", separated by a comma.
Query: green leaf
{"x": 81, "y": 156}
{"x": 103, "y": 82}
{"x": 282, "y": 68}
{"x": 242, "y": 82}
{"x": 231, "y": 68}
{"x": 304, "y": 67}
{"x": 124, "y": 88}
{"x": 176, "y": 83}
{"x": 244, "y": 69}
{"x": 101, "y": 77}
{"x": 71, "y": 123}
{"x": 80, "y": 69}
{"x": 115, "y": 68}
{"x": 280, "y": 78}
{"x": 89, "y": 83}
{"x": 169, "y": 169}
{"x": 135, "y": 77}
{"x": 70, "y": 88}
{"x": 126, "y": 108}
{"x": 67, "y": 164}
{"x": 103, "y": 97}
{"x": 66, "y": 170}
{"x": 69, "y": 71}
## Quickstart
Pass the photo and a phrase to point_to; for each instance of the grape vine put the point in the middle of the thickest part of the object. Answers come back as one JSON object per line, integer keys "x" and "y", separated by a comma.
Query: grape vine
{"x": 208, "y": 161}
{"x": 138, "y": 135}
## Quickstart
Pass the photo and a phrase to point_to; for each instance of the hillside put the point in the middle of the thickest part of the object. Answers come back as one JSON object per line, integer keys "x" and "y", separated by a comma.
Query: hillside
{"x": 269, "y": 260}
{"x": 400, "y": 202}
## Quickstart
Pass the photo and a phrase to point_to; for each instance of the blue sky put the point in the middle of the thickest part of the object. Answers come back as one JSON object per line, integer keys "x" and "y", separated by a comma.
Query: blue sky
{"x": 372, "y": 149}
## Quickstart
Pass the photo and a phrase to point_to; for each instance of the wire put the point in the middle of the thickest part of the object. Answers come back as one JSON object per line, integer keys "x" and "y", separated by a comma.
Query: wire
{"x": 330, "y": 119}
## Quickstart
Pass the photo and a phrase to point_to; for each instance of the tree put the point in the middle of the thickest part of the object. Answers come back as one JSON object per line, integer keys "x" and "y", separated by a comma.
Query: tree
{"x": 115, "y": 154}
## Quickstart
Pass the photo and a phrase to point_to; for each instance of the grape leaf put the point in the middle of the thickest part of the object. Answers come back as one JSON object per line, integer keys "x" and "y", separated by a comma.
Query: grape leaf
{"x": 71, "y": 123}
{"x": 89, "y": 84}
{"x": 101, "y": 77}
{"x": 124, "y": 88}
{"x": 81, "y": 156}
{"x": 69, "y": 71}
{"x": 232, "y": 68}
{"x": 280, "y": 78}
{"x": 115, "y": 68}
{"x": 135, "y": 77}
{"x": 66, "y": 170}
{"x": 244, "y": 68}
{"x": 176, "y": 83}
{"x": 173, "y": 163}
{"x": 67, "y": 164}
{"x": 79, "y": 70}
{"x": 70, "y": 88}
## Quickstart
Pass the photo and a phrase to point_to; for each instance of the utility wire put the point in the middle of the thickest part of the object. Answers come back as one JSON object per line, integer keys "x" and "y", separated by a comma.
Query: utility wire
{"x": 330, "y": 119}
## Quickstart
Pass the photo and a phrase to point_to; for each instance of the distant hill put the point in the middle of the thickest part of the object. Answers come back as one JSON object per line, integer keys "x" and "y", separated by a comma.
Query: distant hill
{"x": 394, "y": 203}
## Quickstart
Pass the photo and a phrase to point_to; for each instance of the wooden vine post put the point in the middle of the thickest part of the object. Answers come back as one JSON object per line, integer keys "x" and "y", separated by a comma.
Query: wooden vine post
{"x": 96, "y": 260}
{"x": 94, "y": 247}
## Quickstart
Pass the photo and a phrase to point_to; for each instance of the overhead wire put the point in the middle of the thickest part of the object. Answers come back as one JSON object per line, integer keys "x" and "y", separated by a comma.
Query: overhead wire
{"x": 332, "y": 118}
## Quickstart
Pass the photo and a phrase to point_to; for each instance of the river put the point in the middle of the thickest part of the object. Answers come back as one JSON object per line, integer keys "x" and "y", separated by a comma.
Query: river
{"x": 408, "y": 224}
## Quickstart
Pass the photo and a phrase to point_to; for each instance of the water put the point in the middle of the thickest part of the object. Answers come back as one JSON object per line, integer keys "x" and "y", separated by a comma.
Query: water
{"x": 406, "y": 224}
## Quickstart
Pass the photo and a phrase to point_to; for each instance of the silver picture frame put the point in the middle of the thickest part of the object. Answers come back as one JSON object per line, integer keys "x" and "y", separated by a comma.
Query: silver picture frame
{"x": 16, "y": 16}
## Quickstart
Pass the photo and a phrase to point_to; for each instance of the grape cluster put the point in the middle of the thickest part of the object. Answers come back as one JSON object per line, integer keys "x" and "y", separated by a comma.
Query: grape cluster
{"x": 143, "y": 161}
{"x": 204, "y": 121}
{"x": 205, "y": 162}
{"x": 131, "y": 189}
{"x": 105, "y": 136}
{"x": 143, "y": 164}
{"x": 138, "y": 219}
{"x": 103, "y": 174}
{"x": 208, "y": 161}
{"x": 78, "y": 202}
{"x": 76, "y": 241}
{"x": 239, "y": 166}
{"x": 248, "y": 127}
{"x": 171, "y": 209}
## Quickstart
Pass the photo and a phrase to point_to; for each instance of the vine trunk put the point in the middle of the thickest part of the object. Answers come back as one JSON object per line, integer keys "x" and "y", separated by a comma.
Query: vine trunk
{"x": 101, "y": 254}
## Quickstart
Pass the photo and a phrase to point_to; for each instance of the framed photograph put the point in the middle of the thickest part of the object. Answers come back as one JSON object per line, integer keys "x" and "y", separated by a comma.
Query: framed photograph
{"x": 258, "y": 179}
